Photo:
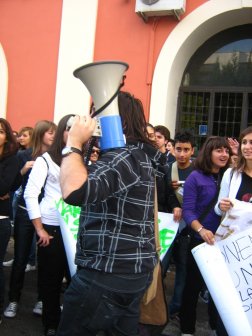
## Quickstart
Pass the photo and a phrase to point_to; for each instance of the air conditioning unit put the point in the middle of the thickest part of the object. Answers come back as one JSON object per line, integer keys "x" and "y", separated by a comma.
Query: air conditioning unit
{"x": 147, "y": 8}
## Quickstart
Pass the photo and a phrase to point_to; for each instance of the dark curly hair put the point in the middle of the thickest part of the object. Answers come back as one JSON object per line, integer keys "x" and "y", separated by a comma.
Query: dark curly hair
{"x": 11, "y": 145}
{"x": 133, "y": 119}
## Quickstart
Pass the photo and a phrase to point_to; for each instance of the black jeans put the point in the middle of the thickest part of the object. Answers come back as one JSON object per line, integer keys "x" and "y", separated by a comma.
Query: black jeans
{"x": 97, "y": 301}
{"x": 193, "y": 285}
{"x": 5, "y": 233}
{"x": 52, "y": 267}
{"x": 23, "y": 235}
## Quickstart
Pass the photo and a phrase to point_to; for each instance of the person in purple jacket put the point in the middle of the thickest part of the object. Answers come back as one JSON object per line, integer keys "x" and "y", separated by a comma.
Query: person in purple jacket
{"x": 200, "y": 190}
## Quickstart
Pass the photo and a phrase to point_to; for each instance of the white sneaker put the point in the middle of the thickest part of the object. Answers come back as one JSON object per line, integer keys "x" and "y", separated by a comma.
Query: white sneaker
{"x": 38, "y": 308}
{"x": 29, "y": 268}
{"x": 11, "y": 310}
{"x": 186, "y": 334}
{"x": 8, "y": 263}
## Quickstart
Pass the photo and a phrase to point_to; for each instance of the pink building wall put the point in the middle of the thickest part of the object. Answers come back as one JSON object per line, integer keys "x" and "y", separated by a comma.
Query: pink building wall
{"x": 121, "y": 34}
{"x": 30, "y": 32}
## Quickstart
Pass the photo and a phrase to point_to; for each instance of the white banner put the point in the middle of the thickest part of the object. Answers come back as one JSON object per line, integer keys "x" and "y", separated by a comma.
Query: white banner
{"x": 69, "y": 224}
{"x": 167, "y": 231}
{"x": 227, "y": 270}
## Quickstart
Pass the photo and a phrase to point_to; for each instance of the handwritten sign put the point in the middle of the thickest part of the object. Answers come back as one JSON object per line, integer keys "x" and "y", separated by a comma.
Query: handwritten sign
{"x": 167, "y": 231}
{"x": 70, "y": 214}
{"x": 227, "y": 270}
{"x": 237, "y": 255}
{"x": 69, "y": 224}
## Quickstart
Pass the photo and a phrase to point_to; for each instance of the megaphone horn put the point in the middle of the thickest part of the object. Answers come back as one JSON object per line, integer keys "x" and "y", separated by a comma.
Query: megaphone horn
{"x": 103, "y": 81}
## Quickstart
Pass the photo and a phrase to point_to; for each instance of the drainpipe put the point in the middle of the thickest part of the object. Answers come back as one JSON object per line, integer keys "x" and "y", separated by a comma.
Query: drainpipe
{"x": 150, "y": 64}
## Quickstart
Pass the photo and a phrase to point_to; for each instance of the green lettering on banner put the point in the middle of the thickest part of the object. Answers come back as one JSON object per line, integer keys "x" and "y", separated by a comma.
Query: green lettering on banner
{"x": 70, "y": 215}
{"x": 167, "y": 232}
{"x": 166, "y": 238}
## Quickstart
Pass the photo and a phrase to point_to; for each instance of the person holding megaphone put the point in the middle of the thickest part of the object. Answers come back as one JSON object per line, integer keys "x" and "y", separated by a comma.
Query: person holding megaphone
{"x": 116, "y": 251}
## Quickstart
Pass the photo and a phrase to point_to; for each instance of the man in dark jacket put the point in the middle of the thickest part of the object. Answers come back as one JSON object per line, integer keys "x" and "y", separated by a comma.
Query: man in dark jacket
{"x": 116, "y": 250}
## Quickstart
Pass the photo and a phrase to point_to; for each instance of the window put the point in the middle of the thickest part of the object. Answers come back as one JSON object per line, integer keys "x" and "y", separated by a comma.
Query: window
{"x": 216, "y": 91}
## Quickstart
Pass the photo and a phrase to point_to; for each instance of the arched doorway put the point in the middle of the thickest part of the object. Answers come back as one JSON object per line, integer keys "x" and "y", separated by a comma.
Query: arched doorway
{"x": 216, "y": 91}
{"x": 188, "y": 36}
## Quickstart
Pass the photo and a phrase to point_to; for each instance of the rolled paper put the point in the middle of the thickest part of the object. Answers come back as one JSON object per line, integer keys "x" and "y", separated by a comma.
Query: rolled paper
{"x": 226, "y": 268}
{"x": 69, "y": 224}
{"x": 167, "y": 231}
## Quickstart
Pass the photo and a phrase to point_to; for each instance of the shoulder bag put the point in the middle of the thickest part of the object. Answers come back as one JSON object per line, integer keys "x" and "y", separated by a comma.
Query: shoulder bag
{"x": 153, "y": 307}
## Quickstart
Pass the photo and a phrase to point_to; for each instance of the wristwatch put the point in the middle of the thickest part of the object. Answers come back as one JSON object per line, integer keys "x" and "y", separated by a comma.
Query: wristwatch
{"x": 68, "y": 150}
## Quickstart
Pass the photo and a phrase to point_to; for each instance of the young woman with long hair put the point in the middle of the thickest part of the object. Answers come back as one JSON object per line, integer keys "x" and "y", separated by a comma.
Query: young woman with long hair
{"x": 42, "y": 138}
{"x": 200, "y": 195}
{"x": 24, "y": 140}
{"x": 24, "y": 137}
{"x": 52, "y": 262}
{"x": 237, "y": 181}
{"x": 8, "y": 173}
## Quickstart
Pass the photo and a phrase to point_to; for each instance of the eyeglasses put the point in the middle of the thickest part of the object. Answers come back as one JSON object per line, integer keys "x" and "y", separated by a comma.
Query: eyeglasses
{"x": 97, "y": 151}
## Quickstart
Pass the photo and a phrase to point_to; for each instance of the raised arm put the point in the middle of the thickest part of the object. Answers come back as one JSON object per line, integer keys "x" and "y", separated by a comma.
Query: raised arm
{"x": 73, "y": 173}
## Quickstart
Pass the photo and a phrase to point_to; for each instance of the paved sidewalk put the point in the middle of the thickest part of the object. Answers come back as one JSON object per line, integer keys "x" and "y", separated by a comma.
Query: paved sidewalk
{"x": 27, "y": 324}
{"x": 172, "y": 328}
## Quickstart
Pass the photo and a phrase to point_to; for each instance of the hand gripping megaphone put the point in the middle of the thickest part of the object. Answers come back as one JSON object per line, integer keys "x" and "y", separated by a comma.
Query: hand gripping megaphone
{"x": 103, "y": 81}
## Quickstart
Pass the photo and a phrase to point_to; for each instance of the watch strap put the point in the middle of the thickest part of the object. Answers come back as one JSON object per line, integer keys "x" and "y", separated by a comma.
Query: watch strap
{"x": 71, "y": 150}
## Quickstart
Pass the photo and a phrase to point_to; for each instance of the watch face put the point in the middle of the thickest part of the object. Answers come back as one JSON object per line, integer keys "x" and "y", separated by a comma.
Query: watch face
{"x": 69, "y": 150}
{"x": 66, "y": 150}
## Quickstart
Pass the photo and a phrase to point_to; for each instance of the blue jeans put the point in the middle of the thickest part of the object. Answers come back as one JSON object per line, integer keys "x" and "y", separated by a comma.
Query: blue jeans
{"x": 97, "y": 301}
{"x": 179, "y": 252}
{"x": 5, "y": 233}
{"x": 23, "y": 235}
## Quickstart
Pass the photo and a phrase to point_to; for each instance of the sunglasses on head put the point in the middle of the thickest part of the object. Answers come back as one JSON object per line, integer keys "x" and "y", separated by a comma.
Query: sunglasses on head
{"x": 97, "y": 151}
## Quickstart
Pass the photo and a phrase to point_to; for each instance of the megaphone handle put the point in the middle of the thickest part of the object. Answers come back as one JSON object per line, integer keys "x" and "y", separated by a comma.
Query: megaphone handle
{"x": 110, "y": 100}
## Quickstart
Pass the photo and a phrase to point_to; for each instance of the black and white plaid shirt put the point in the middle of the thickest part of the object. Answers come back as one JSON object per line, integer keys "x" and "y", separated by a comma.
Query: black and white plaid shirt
{"x": 116, "y": 232}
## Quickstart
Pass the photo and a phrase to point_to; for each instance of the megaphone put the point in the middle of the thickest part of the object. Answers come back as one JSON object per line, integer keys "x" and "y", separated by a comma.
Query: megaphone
{"x": 103, "y": 81}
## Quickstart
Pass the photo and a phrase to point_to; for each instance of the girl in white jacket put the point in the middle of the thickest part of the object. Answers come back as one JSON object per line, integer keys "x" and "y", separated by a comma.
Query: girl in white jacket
{"x": 52, "y": 261}
{"x": 237, "y": 182}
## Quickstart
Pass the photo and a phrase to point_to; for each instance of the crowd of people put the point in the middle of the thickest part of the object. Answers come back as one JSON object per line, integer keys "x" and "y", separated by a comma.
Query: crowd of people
{"x": 115, "y": 252}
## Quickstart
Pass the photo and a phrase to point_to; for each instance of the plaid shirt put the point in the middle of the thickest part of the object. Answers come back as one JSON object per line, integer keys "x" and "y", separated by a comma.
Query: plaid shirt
{"x": 116, "y": 232}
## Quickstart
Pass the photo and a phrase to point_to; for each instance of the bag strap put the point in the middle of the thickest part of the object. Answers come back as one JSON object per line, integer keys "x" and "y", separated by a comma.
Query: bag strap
{"x": 175, "y": 177}
{"x": 174, "y": 172}
{"x": 47, "y": 170}
{"x": 41, "y": 195}
{"x": 156, "y": 230}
